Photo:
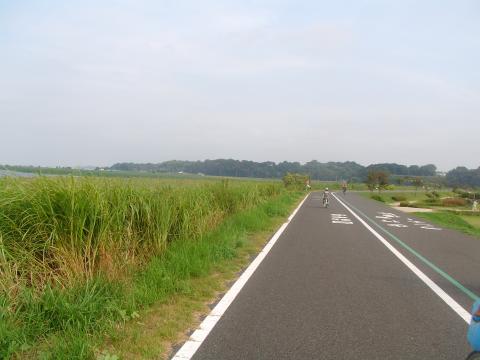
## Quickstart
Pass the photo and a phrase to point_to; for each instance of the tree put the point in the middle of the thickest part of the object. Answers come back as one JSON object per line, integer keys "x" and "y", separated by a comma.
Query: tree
{"x": 296, "y": 181}
{"x": 417, "y": 182}
{"x": 400, "y": 180}
{"x": 461, "y": 176}
{"x": 382, "y": 178}
{"x": 371, "y": 180}
{"x": 377, "y": 179}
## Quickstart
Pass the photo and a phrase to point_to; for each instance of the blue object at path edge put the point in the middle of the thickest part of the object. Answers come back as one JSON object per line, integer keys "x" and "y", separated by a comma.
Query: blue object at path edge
{"x": 473, "y": 334}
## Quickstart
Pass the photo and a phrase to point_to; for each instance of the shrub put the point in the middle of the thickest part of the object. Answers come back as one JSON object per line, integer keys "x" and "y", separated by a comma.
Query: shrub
{"x": 378, "y": 198}
{"x": 406, "y": 204}
{"x": 409, "y": 204}
{"x": 454, "y": 202}
{"x": 295, "y": 181}
{"x": 399, "y": 198}
{"x": 432, "y": 195}
{"x": 467, "y": 194}
{"x": 433, "y": 201}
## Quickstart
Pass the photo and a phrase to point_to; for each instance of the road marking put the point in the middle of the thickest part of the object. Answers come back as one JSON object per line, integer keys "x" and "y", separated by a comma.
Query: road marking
{"x": 341, "y": 219}
{"x": 434, "y": 267}
{"x": 423, "y": 224}
{"x": 191, "y": 346}
{"x": 391, "y": 220}
{"x": 464, "y": 314}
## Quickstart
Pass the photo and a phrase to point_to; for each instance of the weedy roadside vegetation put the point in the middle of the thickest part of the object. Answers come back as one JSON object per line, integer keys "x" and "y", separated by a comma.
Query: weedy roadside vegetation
{"x": 78, "y": 255}
{"x": 377, "y": 198}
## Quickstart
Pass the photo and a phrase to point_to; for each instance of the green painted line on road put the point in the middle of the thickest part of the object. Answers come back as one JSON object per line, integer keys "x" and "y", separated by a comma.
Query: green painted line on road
{"x": 434, "y": 267}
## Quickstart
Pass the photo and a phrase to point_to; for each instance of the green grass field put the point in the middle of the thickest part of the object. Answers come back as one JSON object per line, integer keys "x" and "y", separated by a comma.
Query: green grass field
{"x": 78, "y": 256}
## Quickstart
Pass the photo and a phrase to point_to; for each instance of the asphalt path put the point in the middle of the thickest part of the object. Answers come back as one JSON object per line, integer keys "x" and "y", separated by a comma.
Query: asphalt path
{"x": 454, "y": 254}
{"x": 329, "y": 289}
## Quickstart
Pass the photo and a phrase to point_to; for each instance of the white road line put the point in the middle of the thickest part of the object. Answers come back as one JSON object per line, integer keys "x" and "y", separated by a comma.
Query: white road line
{"x": 196, "y": 339}
{"x": 464, "y": 314}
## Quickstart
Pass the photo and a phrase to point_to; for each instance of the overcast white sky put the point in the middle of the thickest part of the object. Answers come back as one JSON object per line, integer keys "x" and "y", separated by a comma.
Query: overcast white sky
{"x": 98, "y": 82}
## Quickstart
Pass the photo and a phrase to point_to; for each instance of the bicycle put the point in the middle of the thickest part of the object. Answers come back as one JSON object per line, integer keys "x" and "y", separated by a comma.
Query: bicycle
{"x": 325, "y": 202}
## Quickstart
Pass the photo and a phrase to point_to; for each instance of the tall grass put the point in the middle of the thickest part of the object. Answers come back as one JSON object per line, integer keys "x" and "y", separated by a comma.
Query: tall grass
{"x": 68, "y": 229}
{"x": 77, "y": 253}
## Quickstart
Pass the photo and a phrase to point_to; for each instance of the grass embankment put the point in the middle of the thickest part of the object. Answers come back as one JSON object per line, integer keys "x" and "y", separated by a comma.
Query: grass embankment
{"x": 472, "y": 220}
{"x": 411, "y": 198}
{"x": 454, "y": 221}
{"x": 80, "y": 256}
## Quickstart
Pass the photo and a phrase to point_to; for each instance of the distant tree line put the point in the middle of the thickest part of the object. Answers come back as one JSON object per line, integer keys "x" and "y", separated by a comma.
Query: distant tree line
{"x": 348, "y": 170}
{"x": 461, "y": 176}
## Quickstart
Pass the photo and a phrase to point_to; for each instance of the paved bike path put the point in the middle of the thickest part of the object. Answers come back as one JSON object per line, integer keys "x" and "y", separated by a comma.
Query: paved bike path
{"x": 454, "y": 256}
{"x": 330, "y": 290}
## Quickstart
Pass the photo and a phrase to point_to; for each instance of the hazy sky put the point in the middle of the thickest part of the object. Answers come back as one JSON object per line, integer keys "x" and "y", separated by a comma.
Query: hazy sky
{"x": 98, "y": 82}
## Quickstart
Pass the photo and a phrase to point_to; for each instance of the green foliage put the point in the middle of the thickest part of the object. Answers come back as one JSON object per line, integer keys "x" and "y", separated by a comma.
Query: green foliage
{"x": 461, "y": 176}
{"x": 66, "y": 228}
{"x": 377, "y": 198}
{"x": 413, "y": 170}
{"x": 377, "y": 180}
{"x": 450, "y": 220}
{"x": 464, "y": 212}
{"x": 432, "y": 195}
{"x": 433, "y": 199}
{"x": 79, "y": 255}
{"x": 295, "y": 181}
{"x": 399, "y": 198}
{"x": 417, "y": 182}
{"x": 72, "y": 312}
{"x": 467, "y": 194}
{"x": 329, "y": 171}
{"x": 433, "y": 202}
{"x": 371, "y": 181}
